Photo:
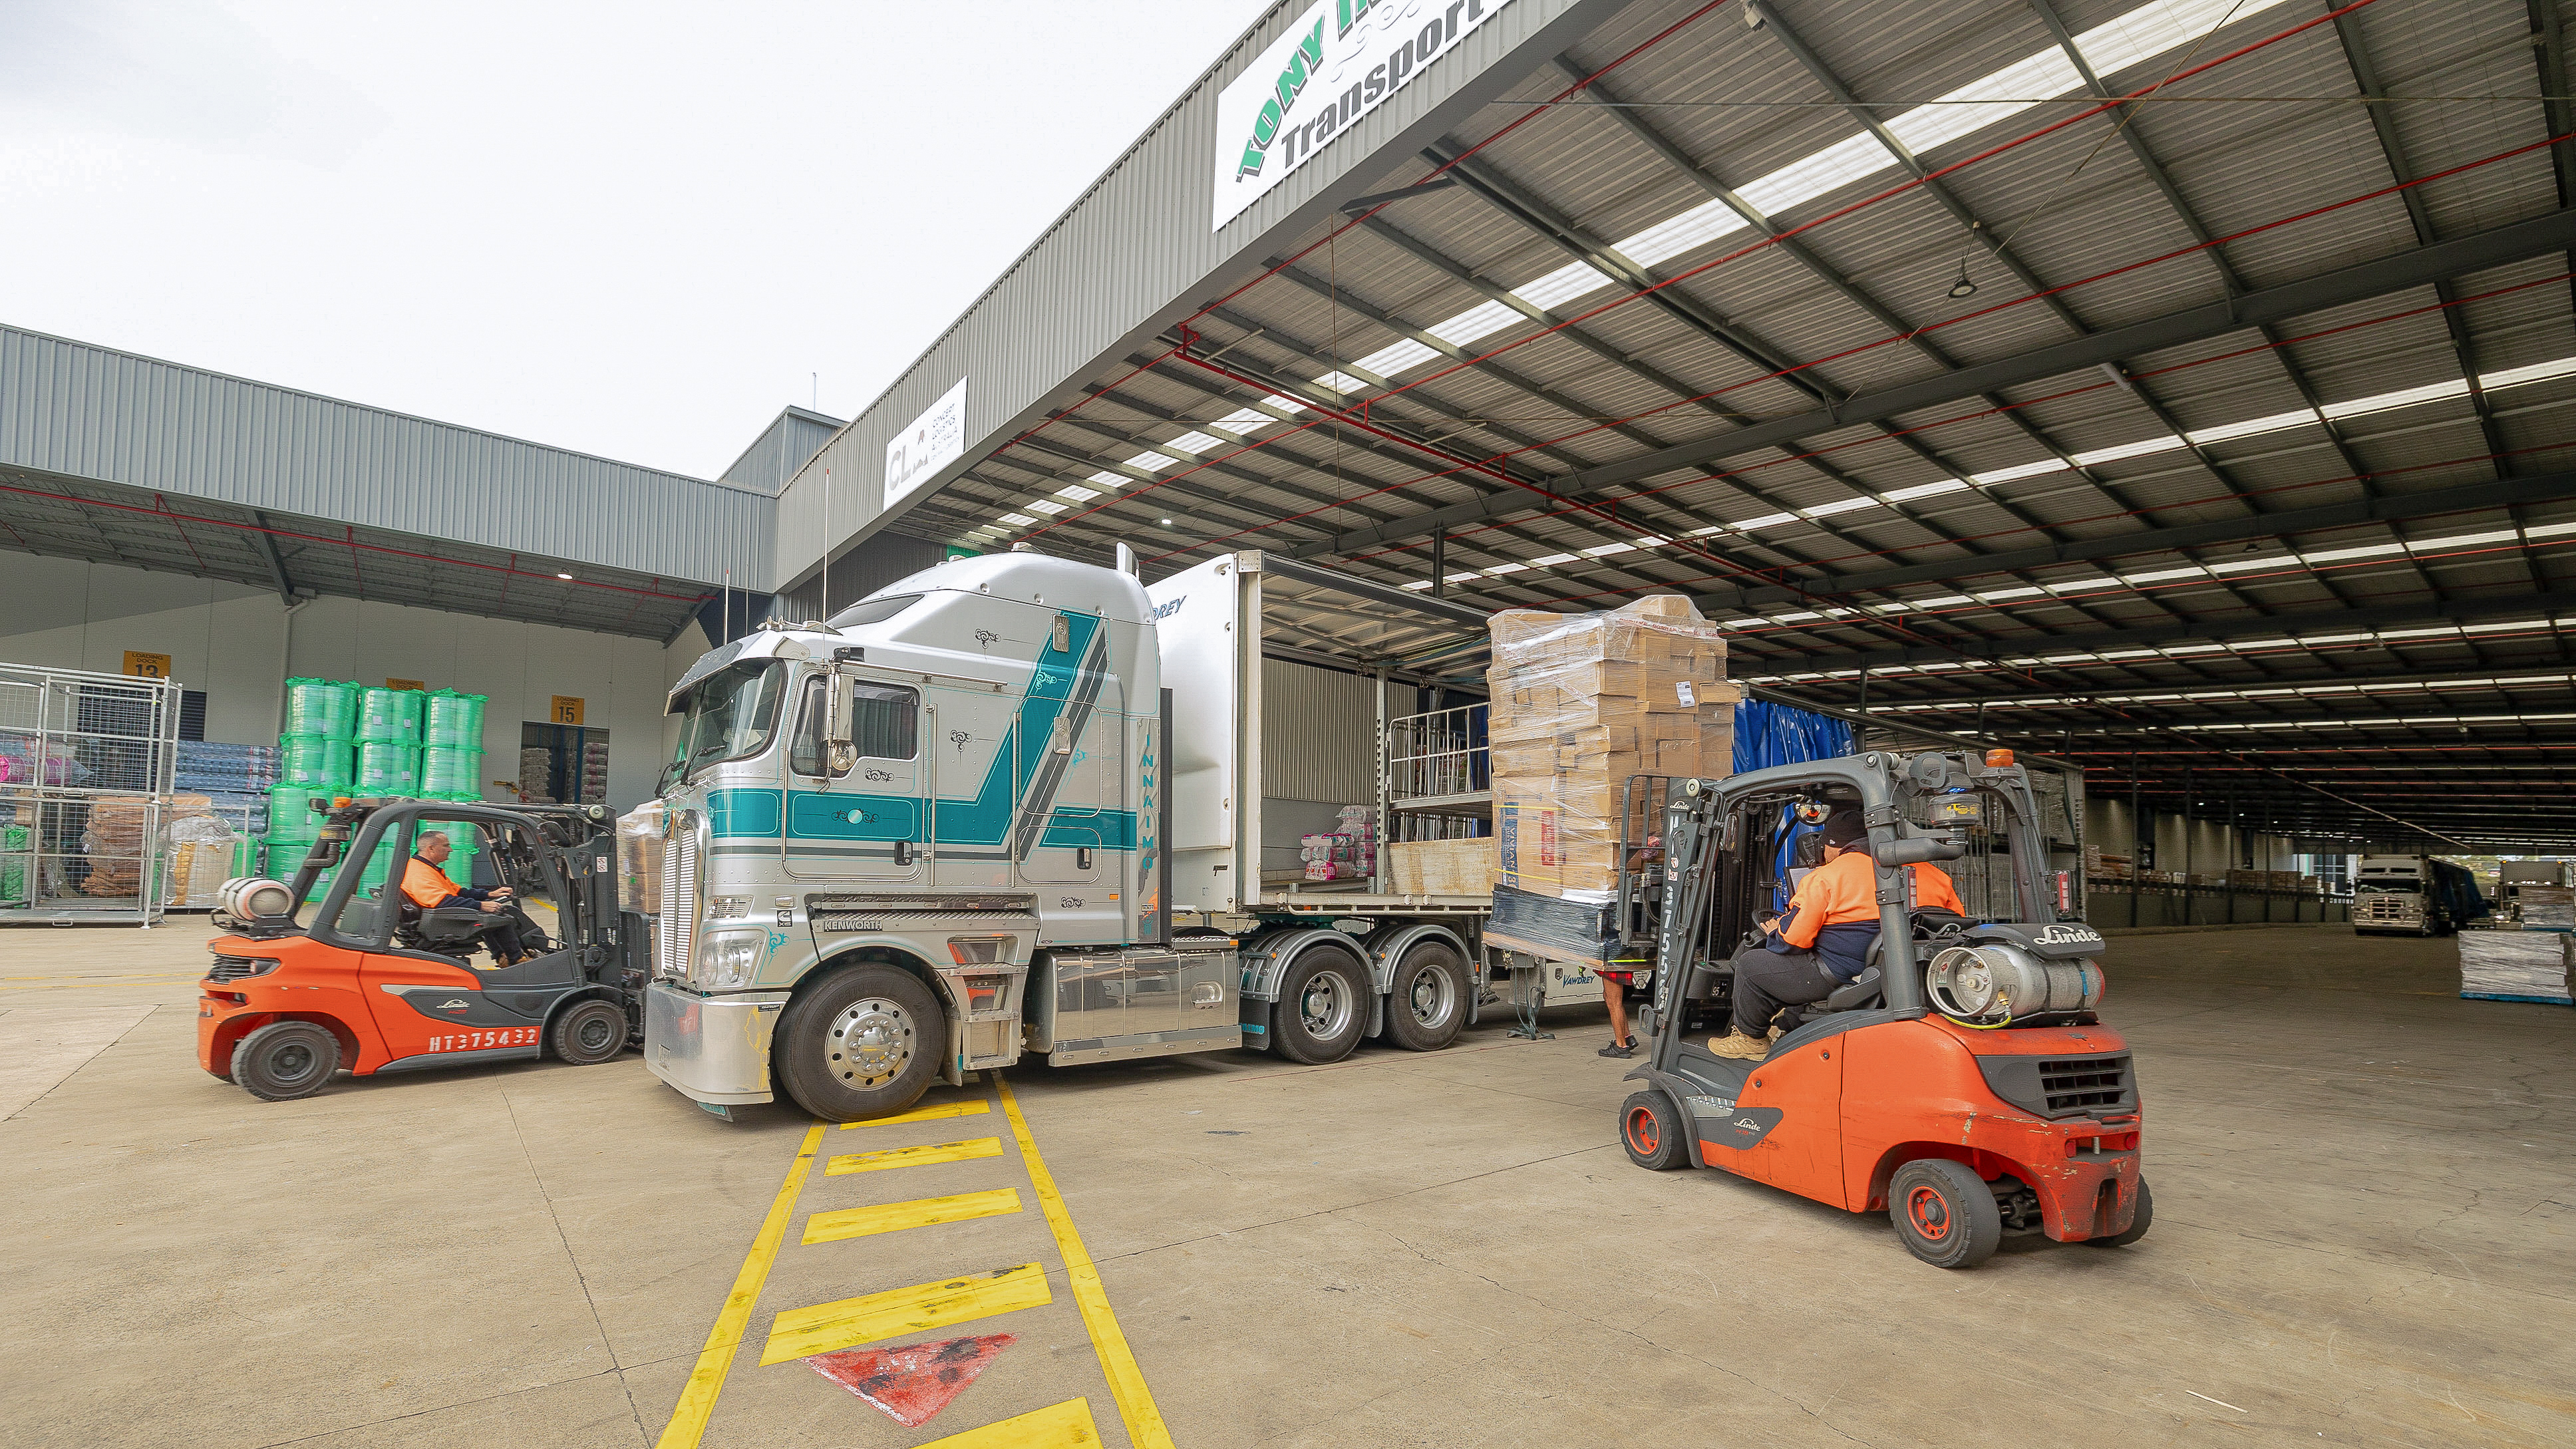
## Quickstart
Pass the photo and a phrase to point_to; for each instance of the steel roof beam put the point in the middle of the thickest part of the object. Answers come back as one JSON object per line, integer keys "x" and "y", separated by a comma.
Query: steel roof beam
{"x": 2418, "y": 266}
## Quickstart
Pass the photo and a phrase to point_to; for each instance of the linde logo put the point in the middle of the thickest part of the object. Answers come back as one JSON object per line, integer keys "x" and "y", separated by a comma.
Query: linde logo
{"x": 2067, "y": 936}
{"x": 1333, "y": 66}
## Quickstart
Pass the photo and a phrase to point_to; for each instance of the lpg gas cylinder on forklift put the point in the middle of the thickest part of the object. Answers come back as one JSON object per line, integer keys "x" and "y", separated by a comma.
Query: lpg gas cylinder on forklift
{"x": 368, "y": 980}
{"x": 1963, "y": 1083}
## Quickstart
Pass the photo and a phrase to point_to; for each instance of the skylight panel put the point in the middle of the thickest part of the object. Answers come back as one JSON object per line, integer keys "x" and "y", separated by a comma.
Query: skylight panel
{"x": 1836, "y": 165}
{"x": 2369, "y": 551}
{"x": 1475, "y": 322}
{"x": 2238, "y": 566}
{"x": 1018, "y": 520}
{"x": 1607, "y": 549}
{"x": 1152, "y": 462}
{"x": 1340, "y": 381}
{"x": 1767, "y": 520}
{"x": 1839, "y": 505}
{"x": 2549, "y": 530}
{"x": 2137, "y": 449}
{"x": 2161, "y": 575}
{"x": 2153, "y": 29}
{"x": 1505, "y": 568}
{"x": 2007, "y": 92}
{"x": 1701, "y": 224}
{"x": 1943, "y": 602}
{"x": 2248, "y": 428}
{"x": 1551, "y": 559}
{"x": 2534, "y": 372}
{"x": 2402, "y": 398}
{"x": 1993, "y": 595}
{"x": 2464, "y": 540}
{"x": 2019, "y": 470}
{"x": 1390, "y": 360}
{"x": 1194, "y": 442}
{"x": 1077, "y": 493}
{"x": 1107, "y": 479}
{"x": 1244, "y": 420}
{"x": 1564, "y": 284}
{"x": 1045, "y": 505}
{"x": 1923, "y": 490}
{"x": 2071, "y": 585}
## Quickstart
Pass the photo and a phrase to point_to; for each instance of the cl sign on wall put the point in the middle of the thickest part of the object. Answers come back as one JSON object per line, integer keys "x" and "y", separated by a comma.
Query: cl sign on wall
{"x": 1332, "y": 67}
{"x": 927, "y": 444}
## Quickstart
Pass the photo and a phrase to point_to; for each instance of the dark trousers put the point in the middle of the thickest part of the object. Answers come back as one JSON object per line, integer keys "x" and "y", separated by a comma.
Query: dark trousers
{"x": 511, "y": 934}
{"x": 1768, "y": 982}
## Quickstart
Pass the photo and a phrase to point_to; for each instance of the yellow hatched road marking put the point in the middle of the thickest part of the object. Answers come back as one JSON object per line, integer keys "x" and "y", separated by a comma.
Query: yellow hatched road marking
{"x": 976, "y": 1108}
{"x": 1059, "y": 1426}
{"x": 921, "y": 1212}
{"x": 849, "y": 1162}
{"x": 849, "y": 1322}
{"x": 1145, "y": 1428}
{"x": 698, "y": 1398}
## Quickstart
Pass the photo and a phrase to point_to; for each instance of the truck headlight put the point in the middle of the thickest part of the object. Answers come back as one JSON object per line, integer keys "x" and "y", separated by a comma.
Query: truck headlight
{"x": 727, "y": 958}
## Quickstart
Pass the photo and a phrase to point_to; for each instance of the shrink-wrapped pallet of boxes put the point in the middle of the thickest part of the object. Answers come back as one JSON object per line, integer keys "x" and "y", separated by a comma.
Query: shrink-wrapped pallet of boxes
{"x": 2548, "y": 906}
{"x": 2510, "y": 965}
{"x": 1582, "y": 703}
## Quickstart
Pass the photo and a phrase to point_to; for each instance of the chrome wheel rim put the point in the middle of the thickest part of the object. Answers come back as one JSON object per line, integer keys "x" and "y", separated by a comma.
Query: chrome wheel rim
{"x": 1324, "y": 1007}
{"x": 870, "y": 1042}
{"x": 1432, "y": 996}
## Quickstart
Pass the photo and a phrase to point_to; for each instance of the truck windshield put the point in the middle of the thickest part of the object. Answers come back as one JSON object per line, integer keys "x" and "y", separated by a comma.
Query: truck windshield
{"x": 2390, "y": 885}
{"x": 732, "y": 714}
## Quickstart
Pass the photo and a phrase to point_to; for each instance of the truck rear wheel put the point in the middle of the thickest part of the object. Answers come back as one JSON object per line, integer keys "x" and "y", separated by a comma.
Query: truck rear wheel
{"x": 1323, "y": 1006}
{"x": 867, "y": 1042}
{"x": 1429, "y": 1001}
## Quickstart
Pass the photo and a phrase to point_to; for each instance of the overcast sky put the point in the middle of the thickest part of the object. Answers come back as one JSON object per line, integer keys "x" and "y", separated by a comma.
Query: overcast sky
{"x": 633, "y": 230}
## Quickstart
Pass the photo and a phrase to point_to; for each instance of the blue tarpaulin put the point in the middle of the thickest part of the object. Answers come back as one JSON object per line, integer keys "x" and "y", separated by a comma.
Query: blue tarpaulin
{"x": 1768, "y": 734}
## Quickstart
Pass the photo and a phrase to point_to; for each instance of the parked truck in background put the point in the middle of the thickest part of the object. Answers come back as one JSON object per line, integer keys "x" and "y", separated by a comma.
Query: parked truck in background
{"x": 1016, "y": 805}
{"x": 2413, "y": 895}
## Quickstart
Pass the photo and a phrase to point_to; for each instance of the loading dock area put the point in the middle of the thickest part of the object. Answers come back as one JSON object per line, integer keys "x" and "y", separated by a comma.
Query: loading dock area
{"x": 2365, "y": 1214}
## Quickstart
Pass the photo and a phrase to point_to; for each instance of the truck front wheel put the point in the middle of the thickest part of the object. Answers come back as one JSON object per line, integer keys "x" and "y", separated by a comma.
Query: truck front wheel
{"x": 866, "y": 1042}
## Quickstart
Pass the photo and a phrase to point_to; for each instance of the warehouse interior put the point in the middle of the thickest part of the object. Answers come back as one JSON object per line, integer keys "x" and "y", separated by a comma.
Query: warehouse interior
{"x": 2168, "y": 400}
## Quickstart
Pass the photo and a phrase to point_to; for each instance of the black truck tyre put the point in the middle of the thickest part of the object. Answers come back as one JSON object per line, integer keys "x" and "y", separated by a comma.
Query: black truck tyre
{"x": 1323, "y": 1006}
{"x": 2139, "y": 1220}
{"x": 588, "y": 1032}
{"x": 285, "y": 1060}
{"x": 1944, "y": 1213}
{"x": 865, "y": 1043}
{"x": 1651, "y": 1130}
{"x": 1427, "y": 1006}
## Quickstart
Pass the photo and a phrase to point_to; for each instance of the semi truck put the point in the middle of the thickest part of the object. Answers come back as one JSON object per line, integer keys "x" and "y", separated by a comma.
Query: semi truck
{"x": 1018, "y": 806}
{"x": 2413, "y": 895}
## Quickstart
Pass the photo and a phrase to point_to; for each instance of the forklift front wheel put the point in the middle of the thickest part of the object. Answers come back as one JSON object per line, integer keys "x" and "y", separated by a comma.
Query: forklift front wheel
{"x": 285, "y": 1060}
{"x": 1652, "y": 1132}
{"x": 2139, "y": 1218}
{"x": 1944, "y": 1213}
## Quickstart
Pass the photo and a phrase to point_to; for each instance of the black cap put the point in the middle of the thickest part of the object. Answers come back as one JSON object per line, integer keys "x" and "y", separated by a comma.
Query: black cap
{"x": 1844, "y": 829}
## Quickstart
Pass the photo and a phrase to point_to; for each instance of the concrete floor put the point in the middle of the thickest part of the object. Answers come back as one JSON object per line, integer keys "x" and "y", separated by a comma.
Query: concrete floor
{"x": 2366, "y": 1234}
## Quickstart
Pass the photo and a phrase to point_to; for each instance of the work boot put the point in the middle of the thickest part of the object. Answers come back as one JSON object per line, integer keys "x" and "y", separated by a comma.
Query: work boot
{"x": 1742, "y": 1048}
{"x": 1778, "y": 1032}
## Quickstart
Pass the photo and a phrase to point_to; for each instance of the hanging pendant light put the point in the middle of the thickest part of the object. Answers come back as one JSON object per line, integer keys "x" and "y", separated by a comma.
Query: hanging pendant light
{"x": 1963, "y": 287}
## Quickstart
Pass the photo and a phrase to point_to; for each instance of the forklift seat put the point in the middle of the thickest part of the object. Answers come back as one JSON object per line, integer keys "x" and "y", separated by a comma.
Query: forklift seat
{"x": 442, "y": 931}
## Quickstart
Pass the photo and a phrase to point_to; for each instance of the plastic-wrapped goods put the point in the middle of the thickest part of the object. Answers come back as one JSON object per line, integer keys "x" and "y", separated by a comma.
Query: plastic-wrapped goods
{"x": 536, "y": 766}
{"x": 204, "y": 853}
{"x": 594, "y": 771}
{"x": 2515, "y": 965}
{"x": 315, "y": 760}
{"x": 450, "y": 772}
{"x": 210, "y": 767}
{"x": 387, "y": 768}
{"x": 2553, "y": 906}
{"x": 389, "y": 716}
{"x": 117, "y": 842}
{"x": 290, "y": 811}
{"x": 640, "y": 834}
{"x": 453, "y": 721}
{"x": 1584, "y": 702}
{"x": 323, "y": 708}
{"x": 14, "y": 860}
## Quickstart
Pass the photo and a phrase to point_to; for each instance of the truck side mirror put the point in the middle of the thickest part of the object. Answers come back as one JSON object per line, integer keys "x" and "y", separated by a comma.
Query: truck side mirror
{"x": 839, "y": 754}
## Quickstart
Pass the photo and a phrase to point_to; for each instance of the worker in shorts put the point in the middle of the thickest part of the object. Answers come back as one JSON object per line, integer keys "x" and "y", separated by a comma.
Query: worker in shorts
{"x": 1821, "y": 943}
{"x": 1616, "y": 986}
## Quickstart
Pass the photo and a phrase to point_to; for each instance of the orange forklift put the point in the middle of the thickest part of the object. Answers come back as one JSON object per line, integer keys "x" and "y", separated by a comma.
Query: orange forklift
{"x": 1963, "y": 1083}
{"x": 369, "y": 981}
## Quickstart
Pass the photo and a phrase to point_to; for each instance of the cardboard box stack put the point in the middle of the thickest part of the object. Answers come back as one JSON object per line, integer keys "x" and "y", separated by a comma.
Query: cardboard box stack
{"x": 1583, "y": 702}
{"x": 2508, "y": 965}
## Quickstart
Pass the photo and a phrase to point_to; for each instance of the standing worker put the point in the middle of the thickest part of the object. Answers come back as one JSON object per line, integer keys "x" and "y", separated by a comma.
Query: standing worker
{"x": 1821, "y": 944}
{"x": 425, "y": 882}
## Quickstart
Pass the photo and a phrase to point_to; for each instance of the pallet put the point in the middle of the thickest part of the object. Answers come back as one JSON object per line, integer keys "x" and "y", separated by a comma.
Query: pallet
{"x": 2534, "y": 1000}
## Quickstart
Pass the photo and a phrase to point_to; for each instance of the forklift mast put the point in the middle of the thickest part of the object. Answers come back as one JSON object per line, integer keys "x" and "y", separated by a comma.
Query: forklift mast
{"x": 1708, "y": 824}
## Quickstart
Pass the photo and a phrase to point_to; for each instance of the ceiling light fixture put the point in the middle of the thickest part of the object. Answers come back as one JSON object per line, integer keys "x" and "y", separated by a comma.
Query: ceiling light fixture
{"x": 1964, "y": 287}
{"x": 566, "y": 577}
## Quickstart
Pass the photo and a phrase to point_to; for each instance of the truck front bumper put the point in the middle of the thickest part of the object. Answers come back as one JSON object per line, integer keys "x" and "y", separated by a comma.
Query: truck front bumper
{"x": 711, "y": 1048}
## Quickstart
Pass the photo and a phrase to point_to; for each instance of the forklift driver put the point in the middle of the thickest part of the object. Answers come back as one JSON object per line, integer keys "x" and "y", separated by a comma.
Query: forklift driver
{"x": 425, "y": 881}
{"x": 1822, "y": 942}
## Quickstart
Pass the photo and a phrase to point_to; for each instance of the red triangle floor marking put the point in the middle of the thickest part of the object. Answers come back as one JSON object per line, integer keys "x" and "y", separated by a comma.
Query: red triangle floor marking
{"x": 916, "y": 1381}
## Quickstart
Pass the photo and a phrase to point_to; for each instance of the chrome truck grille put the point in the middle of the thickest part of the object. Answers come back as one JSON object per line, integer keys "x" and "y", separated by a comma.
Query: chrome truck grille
{"x": 675, "y": 935}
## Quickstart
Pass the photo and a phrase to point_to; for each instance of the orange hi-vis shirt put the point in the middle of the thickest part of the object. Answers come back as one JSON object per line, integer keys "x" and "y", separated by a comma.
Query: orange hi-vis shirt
{"x": 1835, "y": 911}
{"x": 426, "y": 884}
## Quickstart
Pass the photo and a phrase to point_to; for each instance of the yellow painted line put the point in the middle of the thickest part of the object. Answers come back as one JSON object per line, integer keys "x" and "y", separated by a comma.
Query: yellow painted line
{"x": 698, "y": 1397}
{"x": 976, "y": 1108}
{"x": 1126, "y": 1381}
{"x": 849, "y": 1162}
{"x": 849, "y": 1322}
{"x": 921, "y": 1212}
{"x": 1060, "y": 1426}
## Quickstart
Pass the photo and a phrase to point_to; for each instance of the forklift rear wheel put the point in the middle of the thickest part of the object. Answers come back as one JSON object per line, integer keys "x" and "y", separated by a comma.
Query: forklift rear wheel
{"x": 2144, "y": 1214}
{"x": 589, "y": 1032}
{"x": 1429, "y": 1002}
{"x": 1323, "y": 1006}
{"x": 1652, "y": 1132}
{"x": 1944, "y": 1213}
{"x": 865, "y": 1043}
{"x": 285, "y": 1060}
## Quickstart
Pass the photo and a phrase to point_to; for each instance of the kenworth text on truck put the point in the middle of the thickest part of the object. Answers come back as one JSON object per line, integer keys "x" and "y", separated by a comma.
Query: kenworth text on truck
{"x": 1017, "y": 805}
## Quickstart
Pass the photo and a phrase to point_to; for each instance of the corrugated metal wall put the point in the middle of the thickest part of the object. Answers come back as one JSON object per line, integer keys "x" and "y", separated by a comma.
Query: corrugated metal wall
{"x": 779, "y": 451}
{"x": 1135, "y": 253}
{"x": 90, "y": 412}
{"x": 1318, "y": 734}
